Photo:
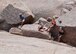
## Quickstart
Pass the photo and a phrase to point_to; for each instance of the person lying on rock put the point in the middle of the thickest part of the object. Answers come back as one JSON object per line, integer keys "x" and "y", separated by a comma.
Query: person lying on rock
{"x": 40, "y": 28}
{"x": 49, "y": 19}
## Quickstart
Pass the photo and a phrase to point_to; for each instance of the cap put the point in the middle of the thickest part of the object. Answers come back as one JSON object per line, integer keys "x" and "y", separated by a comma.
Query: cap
{"x": 55, "y": 16}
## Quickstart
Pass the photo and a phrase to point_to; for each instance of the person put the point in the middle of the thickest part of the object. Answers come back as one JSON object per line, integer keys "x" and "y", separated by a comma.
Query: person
{"x": 54, "y": 20}
{"x": 61, "y": 30}
{"x": 49, "y": 19}
{"x": 54, "y": 30}
{"x": 22, "y": 19}
{"x": 40, "y": 28}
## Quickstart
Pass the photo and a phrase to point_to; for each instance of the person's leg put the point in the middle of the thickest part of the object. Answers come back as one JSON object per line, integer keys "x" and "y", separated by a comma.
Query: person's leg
{"x": 40, "y": 28}
{"x": 22, "y": 22}
{"x": 59, "y": 38}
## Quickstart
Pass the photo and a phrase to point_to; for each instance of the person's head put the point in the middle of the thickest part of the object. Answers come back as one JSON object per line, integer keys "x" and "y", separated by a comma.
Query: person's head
{"x": 49, "y": 19}
{"x": 60, "y": 22}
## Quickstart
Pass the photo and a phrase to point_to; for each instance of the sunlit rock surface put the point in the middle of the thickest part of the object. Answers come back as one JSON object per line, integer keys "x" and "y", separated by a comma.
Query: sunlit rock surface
{"x": 68, "y": 19}
{"x": 13, "y": 44}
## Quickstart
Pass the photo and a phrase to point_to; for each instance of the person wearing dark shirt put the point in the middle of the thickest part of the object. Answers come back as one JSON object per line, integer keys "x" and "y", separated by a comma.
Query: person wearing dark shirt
{"x": 22, "y": 19}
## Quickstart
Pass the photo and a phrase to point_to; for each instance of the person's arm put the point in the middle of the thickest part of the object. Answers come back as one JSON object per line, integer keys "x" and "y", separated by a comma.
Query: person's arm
{"x": 48, "y": 29}
{"x": 61, "y": 29}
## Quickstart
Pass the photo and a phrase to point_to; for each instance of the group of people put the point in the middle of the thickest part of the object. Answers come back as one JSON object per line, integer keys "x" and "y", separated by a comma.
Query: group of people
{"x": 55, "y": 31}
{"x": 52, "y": 23}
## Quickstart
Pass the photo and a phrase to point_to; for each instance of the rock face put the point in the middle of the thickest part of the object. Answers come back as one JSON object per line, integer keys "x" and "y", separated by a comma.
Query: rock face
{"x": 69, "y": 36}
{"x": 1, "y": 20}
{"x": 49, "y": 8}
{"x": 30, "y": 31}
{"x": 69, "y": 24}
{"x": 16, "y": 3}
{"x": 5, "y": 26}
{"x": 43, "y": 8}
{"x": 15, "y": 30}
{"x": 11, "y": 16}
{"x": 44, "y": 21}
{"x": 14, "y": 44}
{"x": 68, "y": 19}
{"x": 65, "y": 7}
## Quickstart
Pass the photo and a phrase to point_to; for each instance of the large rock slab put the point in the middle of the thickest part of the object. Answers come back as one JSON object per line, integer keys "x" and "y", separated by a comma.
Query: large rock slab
{"x": 14, "y": 44}
{"x": 68, "y": 19}
{"x": 65, "y": 7}
{"x": 41, "y": 19}
{"x": 43, "y": 8}
{"x": 16, "y": 3}
{"x": 69, "y": 36}
{"x": 5, "y": 26}
{"x": 1, "y": 20}
{"x": 30, "y": 31}
{"x": 16, "y": 31}
{"x": 11, "y": 16}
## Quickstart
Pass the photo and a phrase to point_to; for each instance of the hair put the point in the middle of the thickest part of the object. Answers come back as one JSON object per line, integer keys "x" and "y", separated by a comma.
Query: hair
{"x": 60, "y": 21}
{"x": 49, "y": 19}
